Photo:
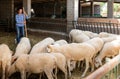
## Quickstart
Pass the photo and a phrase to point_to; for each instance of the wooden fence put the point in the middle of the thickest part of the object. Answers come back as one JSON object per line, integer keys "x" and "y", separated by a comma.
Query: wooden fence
{"x": 106, "y": 68}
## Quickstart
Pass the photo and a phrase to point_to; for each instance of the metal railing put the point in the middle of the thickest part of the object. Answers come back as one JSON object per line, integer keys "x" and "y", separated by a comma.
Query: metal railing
{"x": 98, "y": 25}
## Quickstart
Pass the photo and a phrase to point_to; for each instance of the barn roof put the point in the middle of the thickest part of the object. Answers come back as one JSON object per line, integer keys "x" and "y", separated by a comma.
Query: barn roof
{"x": 40, "y": 1}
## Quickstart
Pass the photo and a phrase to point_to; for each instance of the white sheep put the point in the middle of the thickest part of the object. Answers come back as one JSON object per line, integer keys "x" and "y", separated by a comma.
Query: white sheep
{"x": 72, "y": 65}
{"x": 60, "y": 42}
{"x": 34, "y": 63}
{"x": 108, "y": 37}
{"x": 111, "y": 38}
{"x": 105, "y": 34}
{"x": 75, "y": 52}
{"x": 61, "y": 62}
{"x": 23, "y": 47}
{"x": 78, "y": 36}
{"x": 97, "y": 43}
{"x": 90, "y": 34}
{"x": 109, "y": 49}
{"x": 42, "y": 45}
{"x": 5, "y": 60}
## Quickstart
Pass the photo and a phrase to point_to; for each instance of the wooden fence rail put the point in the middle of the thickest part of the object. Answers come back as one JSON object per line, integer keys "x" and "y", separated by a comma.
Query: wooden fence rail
{"x": 99, "y": 73}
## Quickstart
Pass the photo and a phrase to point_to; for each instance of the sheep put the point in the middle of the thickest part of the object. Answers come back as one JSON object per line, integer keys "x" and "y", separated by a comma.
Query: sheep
{"x": 111, "y": 38}
{"x": 75, "y": 52}
{"x": 97, "y": 43}
{"x": 23, "y": 47}
{"x": 5, "y": 59}
{"x": 109, "y": 49}
{"x": 108, "y": 37}
{"x": 77, "y": 36}
{"x": 61, "y": 62}
{"x": 34, "y": 63}
{"x": 90, "y": 34}
{"x": 105, "y": 34}
{"x": 42, "y": 45}
{"x": 72, "y": 65}
{"x": 60, "y": 42}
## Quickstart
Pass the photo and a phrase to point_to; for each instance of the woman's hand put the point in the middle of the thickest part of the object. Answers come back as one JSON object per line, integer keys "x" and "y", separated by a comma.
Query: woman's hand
{"x": 24, "y": 22}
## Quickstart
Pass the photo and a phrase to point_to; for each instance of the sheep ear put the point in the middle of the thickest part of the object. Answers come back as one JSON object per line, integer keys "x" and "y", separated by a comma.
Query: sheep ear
{"x": 49, "y": 48}
{"x": 13, "y": 59}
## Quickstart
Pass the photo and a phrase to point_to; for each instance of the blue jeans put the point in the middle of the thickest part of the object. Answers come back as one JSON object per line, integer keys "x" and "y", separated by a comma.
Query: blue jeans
{"x": 20, "y": 33}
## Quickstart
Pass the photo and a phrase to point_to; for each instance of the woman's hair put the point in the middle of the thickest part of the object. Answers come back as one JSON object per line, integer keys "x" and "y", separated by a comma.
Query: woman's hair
{"x": 19, "y": 9}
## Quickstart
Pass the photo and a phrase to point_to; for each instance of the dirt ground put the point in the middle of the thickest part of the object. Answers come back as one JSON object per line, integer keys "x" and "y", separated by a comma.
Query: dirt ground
{"x": 9, "y": 39}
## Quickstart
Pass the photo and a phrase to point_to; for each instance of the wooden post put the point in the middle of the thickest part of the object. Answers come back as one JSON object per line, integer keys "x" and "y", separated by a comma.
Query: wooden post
{"x": 13, "y": 16}
{"x": 99, "y": 73}
{"x": 110, "y": 9}
{"x": 27, "y": 6}
{"x": 27, "y": 9}
{"x": 80, "y": 9}
{"x": 25, "y": 23}
{"x": 72, "y": 13}
{"x": 92, "y": 9}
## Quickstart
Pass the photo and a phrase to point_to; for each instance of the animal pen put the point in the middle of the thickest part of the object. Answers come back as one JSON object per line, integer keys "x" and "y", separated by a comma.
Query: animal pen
{"x": 96, "y": 25}
{"x": 43, "y": 24}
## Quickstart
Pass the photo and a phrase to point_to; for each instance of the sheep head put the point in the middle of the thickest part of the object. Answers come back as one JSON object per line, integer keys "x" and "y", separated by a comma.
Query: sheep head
{"x": 97, "y": 62}
{"x": 49, "y": 48}
{"x": 53, "y": 48}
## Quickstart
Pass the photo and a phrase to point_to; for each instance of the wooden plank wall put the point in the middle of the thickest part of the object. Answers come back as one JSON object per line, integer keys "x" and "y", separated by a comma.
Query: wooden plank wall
{"x": 6, "y": 14}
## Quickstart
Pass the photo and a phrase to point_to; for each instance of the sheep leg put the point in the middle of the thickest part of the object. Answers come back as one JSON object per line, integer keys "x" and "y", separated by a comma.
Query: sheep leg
{"x": 3, "y": 71}
{"x": 64, "y": 70}
{"x": 40, "y": 76}
{"x": 7, "y": 70}
{"x": 91, "y": 62}
{"x": 68, "y": 64}
{"x": 49, "y": 73}
{"x": 55, "y": 73}
{"x": 23, "y": 75}
{"x": 78, "y": 65}
{"x": 28, "y": 75}
{"x": 87, "y": 66}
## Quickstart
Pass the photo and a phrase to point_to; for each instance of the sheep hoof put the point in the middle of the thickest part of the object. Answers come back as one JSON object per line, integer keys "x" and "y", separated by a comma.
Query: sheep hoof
{"x": 92, "y": 70}
{"x": 83, "y": 76}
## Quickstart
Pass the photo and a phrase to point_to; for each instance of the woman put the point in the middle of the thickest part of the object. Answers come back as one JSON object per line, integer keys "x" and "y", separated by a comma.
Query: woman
{"x": 20, "y": 19}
